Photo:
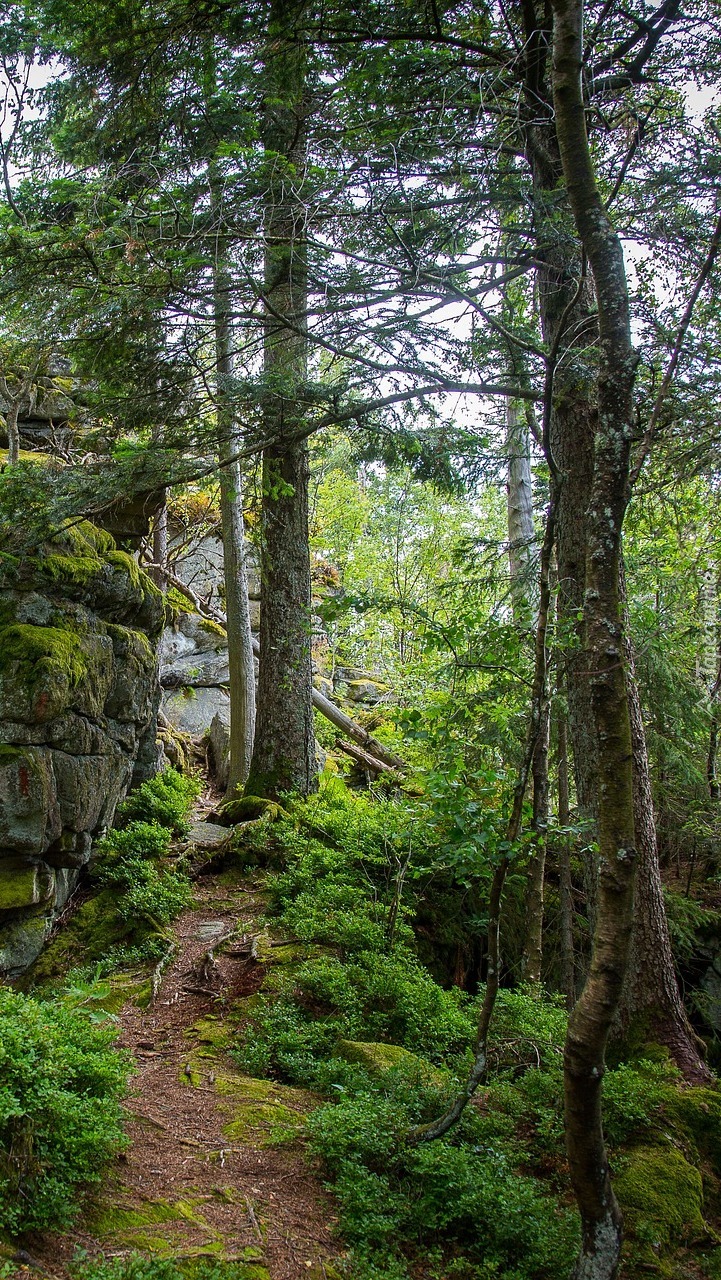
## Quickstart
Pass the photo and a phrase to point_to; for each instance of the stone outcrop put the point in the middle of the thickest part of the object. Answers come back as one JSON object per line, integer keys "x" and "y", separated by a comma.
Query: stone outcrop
{"x": 78, "y": 708}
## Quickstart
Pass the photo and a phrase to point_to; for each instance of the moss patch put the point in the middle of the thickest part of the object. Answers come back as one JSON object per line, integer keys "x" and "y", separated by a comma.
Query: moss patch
{"x": 31, "y": 651}
{"x": 86, "y": 938}
{"x": 661, "y": 1195}
{"x": 378, "y": 1059}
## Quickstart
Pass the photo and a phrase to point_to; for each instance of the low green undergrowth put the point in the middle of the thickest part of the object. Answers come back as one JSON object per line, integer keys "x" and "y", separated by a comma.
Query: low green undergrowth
{"x": 61, "y": 1081}
{"x": 167, "y": 799}
{"x": 350, "y": 1010}
{"x": 127, "y": 861}
{"x": 138, "y": 1266}
{"x": 358, "y": 978}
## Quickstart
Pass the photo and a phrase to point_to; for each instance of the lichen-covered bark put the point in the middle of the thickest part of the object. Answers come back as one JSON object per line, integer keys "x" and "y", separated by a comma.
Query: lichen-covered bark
{"x": 284, "y": 751}
{"x": 592, "y": 1017}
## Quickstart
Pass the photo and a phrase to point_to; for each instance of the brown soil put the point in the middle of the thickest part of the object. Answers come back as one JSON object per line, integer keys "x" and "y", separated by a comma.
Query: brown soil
{"x": 193, "y": 1183}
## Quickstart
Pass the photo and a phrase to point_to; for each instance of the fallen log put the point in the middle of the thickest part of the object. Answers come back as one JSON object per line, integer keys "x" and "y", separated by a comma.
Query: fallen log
{"x": 369, "y": 762}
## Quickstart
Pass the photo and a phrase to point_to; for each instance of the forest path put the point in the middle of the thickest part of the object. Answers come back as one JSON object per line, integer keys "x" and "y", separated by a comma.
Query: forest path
{"x": 215, "y": 1167}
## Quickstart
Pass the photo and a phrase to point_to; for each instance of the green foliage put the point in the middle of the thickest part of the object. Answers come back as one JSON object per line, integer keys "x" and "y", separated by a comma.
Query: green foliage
{"x": 60, "y": 1117}
{"x": 460, "y": 1190}
{"x": 138, "y": 1266}
{"x": 126, "y": 861}
{"x": 167, "y": 799}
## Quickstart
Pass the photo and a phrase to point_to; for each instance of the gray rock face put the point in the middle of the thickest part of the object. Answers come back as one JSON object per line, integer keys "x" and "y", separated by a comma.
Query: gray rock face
{"x": 192, "y": 710}
{"x": 78, "y": 706}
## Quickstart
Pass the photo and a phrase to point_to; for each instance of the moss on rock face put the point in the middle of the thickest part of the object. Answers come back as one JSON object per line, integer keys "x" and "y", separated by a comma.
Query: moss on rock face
{"x": 697, "y": 1114}
{"x": 661, "y": 1195}
{"x": 23, "y": 884}
{"x": 378, "y": 1059}
{"x": 44, "y": 670}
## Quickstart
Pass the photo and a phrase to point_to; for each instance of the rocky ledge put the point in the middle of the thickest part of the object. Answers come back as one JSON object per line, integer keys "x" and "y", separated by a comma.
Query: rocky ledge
{"x": 79, "y": 694}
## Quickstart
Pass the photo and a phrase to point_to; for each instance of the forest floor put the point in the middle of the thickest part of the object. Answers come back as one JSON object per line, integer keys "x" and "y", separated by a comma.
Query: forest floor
{"x": 215, "y": 1167}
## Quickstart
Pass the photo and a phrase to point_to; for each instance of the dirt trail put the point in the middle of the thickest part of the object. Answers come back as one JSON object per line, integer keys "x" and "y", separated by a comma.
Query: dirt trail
{"x": 206, "y": 1174}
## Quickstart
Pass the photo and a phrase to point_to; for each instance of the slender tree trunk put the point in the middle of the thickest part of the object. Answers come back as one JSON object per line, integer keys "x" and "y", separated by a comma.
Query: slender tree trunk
{"x": 241, "y": 668}
{"x": 651, "y": 1006}
{"x": 520, "y": 513}
{"x": 284, "y": 752}
{"x": 591, "y": 1019}
{"x": 533, "y": 947}
{"x": 159, "y": 572}
{"x": 567, "y": 310}
{"x": 568, "y": 968}
{"x": 13, "y": 430}
{"x": 521, "y": 539}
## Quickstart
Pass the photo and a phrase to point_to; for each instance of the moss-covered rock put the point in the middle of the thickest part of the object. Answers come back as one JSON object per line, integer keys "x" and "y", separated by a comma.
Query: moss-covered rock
{"x": 23, "y": 884}
{"x": 78, "y": 709}
{"x": 378, "y": 1059}
{"x": 249, "y": 809}
{"x": 661, "y": 1195}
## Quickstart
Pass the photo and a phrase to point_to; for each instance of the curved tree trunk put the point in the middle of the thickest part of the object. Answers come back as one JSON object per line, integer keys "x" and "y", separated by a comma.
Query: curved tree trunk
{"x": 284, "y": 751}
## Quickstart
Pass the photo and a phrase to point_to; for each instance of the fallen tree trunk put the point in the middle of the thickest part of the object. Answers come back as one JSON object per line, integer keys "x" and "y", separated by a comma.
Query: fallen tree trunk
{"x": 362, "y": 757}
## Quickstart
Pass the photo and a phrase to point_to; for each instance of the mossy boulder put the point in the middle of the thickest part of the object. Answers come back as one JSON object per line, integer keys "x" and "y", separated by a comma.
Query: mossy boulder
{"x": 661, "y": 1195}
{"x": 378, "y": 1059}
{"x": 249, "y": 809}
{"x": 696, "y": 1113}
{"x": 365, "y": 690}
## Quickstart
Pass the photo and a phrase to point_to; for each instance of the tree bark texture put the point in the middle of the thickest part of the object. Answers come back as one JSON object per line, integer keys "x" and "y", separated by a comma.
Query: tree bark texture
{"x": 520, "y": 513}
{"x": 592, "y": 1017}
{"x": 533, "y": 945}
{"x": 568, "y": 324}
{"x": 568, "y": 967}
{"x": 651, "y": 1005}
{"x": 159, "y": 572}
{"x": 241, "y": 668}
{"x": 284, "y": 752}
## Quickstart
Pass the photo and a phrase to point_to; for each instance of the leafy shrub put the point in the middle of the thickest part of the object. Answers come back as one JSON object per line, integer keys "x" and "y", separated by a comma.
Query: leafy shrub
{"x": 166, "y": 799}
{"x": 60, "y": 1116}
{"x": 633, "y": 1096}
{"x": 137, "y": 1266}
{"x": 127, "y": 861}
{"x": 456, "y": 1189}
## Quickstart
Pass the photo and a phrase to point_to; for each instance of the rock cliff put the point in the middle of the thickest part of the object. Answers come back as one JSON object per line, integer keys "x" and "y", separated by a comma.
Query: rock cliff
{"x": 79, "y": 695}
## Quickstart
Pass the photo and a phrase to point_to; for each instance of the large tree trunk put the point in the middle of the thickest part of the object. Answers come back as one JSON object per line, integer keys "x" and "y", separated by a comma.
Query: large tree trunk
{"x": 284, "y": 752}
{"x": 592, "y": 1017}
{"x": 567, "y": 309}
